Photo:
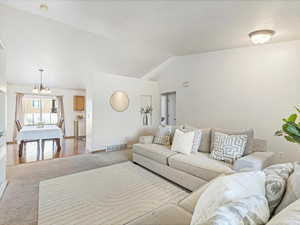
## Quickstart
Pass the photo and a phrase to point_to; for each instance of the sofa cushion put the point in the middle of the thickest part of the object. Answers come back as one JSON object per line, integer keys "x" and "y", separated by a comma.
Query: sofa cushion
{"x": 205, "y": 140}
{"x": 248, "y": 132}
{"x": 200, "y": 165}
{"x": 158, "y": 153}
{"x": 276, "y": 179}
{"x": 288, "y": 216}
{"x": 189, "y": 203}
{"x": 166, "y": 215}
{"x": 292, "y": 192}
{"x": 259, "y": 145}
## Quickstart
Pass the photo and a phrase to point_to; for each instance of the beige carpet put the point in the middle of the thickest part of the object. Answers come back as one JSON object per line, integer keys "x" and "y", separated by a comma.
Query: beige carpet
{"x": 112, "y": 195}
{"x": 19, "y": 204}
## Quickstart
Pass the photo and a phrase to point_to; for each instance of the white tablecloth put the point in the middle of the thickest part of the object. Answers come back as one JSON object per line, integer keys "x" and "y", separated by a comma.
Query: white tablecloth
{"x": 34, "y": 133}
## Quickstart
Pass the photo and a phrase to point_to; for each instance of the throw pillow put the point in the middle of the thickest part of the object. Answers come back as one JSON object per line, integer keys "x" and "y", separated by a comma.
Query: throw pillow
{"x": 228, "y": 148}
{"x": 162, "y": 136}
{"x": 248, "y": 132}
{"x": 292, "y": 192}
{"x": 146, "y": 139}
{"x": 183, "y": 142}
{"x": 205, "y": 140}
{"x": 252, "y": 210}
{"x": 172, "y": 131}
{"x": 288, "y": 216}
{"x": 276, "y": 177}
{"x": 197, "y": 137}
{"x": 227, "y": 189}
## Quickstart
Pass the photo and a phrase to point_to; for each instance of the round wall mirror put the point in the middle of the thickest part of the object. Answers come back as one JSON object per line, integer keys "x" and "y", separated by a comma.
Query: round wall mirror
{"x": 119, "y": 101}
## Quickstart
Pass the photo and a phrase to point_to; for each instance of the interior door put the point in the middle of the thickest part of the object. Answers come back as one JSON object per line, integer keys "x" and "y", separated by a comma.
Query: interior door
{"x": 171, "y": 106}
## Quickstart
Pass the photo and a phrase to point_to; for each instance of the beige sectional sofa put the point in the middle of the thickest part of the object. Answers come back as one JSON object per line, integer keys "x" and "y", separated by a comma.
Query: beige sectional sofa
{"x": 194, "y": 170}
{"x": 181, "y": 213}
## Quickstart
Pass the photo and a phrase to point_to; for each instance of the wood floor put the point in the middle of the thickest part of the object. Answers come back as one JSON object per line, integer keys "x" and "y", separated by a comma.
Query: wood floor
{"x": 69, "y": 147}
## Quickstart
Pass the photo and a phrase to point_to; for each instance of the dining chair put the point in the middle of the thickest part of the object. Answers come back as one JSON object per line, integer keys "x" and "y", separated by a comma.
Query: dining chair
{"x": 60, "y": 125}
{"x": 24, "y": 142}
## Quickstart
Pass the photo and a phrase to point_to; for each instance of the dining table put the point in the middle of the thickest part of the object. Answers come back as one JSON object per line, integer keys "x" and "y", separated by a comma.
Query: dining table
{"x": 45, "y": 132}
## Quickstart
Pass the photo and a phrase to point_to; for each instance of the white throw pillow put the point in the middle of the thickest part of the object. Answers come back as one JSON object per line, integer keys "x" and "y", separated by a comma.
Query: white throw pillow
{"x": 228, "y": 148}
{"x": 227, "y": 189}
{"x": 253, "y": 210}
{"x": 197, "y": 136}
{"x": 183, "y": 142}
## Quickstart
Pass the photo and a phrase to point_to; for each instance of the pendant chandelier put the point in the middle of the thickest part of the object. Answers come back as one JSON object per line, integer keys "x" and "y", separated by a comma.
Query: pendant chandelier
{"x": 41, "y": 88}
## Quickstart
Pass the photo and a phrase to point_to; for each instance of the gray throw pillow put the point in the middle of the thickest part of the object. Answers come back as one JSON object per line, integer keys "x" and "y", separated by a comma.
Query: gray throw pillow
{"x": 248, "y": 132}
{"x": 205, "y": 140}
{"x": 292, "y": 192}
{"x": 228, "y": 148}
{"x": 276, "y": 178}
{"x": 162, "y": 136}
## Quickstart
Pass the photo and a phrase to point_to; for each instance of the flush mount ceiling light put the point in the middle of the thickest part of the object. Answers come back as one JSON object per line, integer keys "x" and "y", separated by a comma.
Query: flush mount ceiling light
{"x": 261, "y": 36}
{"x": 44, "y": 7}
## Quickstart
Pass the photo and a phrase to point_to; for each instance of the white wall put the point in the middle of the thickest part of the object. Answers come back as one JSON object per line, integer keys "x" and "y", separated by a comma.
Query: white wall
{"x": 108, "y": 127}
{"x": 2, "y": 87}
{"x": 247, "y": 87}
{"x": 3, "y": 123}
{"x": 67, "y": 94}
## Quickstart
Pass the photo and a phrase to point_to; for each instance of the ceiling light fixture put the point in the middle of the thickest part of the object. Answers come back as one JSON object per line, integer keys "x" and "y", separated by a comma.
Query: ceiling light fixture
{"x": 44, "y": 7}
{"x": 40, "y": 88}
{"x": 261, "y": 36}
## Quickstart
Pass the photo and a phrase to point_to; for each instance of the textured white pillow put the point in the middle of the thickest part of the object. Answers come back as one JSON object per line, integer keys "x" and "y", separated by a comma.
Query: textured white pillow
{"x": 197, "y": 136}
{"x": 253, "y": 210}
{"x": 227, "y": 189}
{"x": 183, "y": 142}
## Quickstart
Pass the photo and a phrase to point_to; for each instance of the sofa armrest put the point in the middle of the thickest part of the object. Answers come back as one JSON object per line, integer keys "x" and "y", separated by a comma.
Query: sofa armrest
{"x": 146, "y": 139}
{"x": 254, "y": 161}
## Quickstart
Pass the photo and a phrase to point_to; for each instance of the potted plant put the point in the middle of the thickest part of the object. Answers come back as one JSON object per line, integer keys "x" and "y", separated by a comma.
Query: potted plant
{"x": 290, "y": 130}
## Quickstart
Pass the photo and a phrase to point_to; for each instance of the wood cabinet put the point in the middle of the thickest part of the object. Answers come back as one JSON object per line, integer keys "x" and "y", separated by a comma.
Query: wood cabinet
{"x": 78, "y": 103}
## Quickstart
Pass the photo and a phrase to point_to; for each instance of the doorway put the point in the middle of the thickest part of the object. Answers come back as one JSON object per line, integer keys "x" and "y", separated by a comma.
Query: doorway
{"x": 168, "y": 108}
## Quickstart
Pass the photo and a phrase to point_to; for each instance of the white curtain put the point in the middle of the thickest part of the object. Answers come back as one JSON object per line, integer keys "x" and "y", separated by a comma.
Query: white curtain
{"x": 19, "y": 114}
{"x": 61, "y": 112}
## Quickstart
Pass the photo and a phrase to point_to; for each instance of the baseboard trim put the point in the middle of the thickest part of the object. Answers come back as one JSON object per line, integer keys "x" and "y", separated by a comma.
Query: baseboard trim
{"x": 2, "y": 188}
{"x": 66, "y": 137}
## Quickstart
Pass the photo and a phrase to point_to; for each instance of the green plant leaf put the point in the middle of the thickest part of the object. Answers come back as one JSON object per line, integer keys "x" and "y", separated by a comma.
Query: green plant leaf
{"x": 278, "y": 133}
{"x": 290, "y": 139}
{"x": 293, "y": 130}
{"x": 292, "y": 118}
{"x": 284, "y": 128}
{"x": 297, "y": 109}
{"x": 285, "y": 120}
{"x": 296, "y": 139}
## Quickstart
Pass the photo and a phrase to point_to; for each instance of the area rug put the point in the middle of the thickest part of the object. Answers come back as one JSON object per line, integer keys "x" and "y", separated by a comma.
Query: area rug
{"x": 112, "y": 195}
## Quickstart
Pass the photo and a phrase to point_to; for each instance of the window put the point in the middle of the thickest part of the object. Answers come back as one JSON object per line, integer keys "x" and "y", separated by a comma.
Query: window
{"x": 36, "y": 103}
{"x": 39, "y": 109}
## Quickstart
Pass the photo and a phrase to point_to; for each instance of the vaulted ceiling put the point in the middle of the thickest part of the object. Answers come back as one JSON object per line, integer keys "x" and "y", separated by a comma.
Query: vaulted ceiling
{"x": 144, "y": 34}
